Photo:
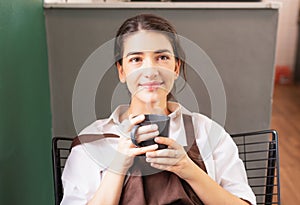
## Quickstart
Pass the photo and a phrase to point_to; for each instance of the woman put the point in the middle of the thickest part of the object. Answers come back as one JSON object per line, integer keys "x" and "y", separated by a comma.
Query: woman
{"x": 149, "y": 59}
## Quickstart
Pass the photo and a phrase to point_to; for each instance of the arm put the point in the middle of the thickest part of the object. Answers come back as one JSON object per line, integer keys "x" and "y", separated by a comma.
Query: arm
{"x": 110, "y": 188}
{"x": 207, "y": 189}
{"x": 107, "y": 194}
{"x": 83, "y": 183}
{"x": 175, "y": 159}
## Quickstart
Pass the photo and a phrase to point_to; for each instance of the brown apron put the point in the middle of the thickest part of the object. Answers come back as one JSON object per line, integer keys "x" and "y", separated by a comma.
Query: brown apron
{"x": 149, "y": 186}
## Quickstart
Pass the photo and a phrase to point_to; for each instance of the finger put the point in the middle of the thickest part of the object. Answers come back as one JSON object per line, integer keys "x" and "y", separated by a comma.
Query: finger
{"x": 147, "y": 129}
{"x": 146, "y": 132}
{"x": 125, "y": 145}
{"x": 145, "y": 137}
{"x": 163, "y": 161}
{"x": 142, "y": 150}
{"x": 134, "y": 121}
{"x": 126, "y": 126}
{"x": 166, "y": 153}
{"x": 167, "y": 141}
{"x": 163, "y": 167}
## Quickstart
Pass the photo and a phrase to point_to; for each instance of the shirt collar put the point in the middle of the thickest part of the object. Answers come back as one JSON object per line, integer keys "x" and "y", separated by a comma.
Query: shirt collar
{"x": 176, "y": 110}
{"x": 115, "y": 116}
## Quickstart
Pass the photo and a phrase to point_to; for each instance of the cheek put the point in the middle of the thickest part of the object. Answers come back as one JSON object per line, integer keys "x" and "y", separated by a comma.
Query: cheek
{"x": 168, "y": 78}
{"x": 132, "y": 80}
{"x": 169, "y": 85}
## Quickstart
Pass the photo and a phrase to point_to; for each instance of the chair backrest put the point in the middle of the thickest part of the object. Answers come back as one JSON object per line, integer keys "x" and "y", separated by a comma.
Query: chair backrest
{"x": 61, "y": 148}
{"x": 259, "y": 152}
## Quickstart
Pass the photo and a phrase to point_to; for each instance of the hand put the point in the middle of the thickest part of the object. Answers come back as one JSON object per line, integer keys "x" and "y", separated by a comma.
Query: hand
{"x": 126, "y": 149}
{"x": 173, "y": 159}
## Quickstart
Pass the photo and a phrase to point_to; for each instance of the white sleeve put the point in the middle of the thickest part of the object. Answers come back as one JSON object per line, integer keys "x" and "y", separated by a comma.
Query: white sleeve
{"x": 81, "y": 177}
{"x": 230, "y": 170}
{"x": 221, "y": 158}
{"x": 72, "y": 195}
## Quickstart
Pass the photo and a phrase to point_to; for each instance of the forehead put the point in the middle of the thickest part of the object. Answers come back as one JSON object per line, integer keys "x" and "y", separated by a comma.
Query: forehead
{"x": 146, "y": 41}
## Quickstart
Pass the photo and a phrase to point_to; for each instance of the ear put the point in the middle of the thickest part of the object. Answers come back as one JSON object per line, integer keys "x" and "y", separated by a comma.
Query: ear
{"x": 122, "y": 75}
{"x": 177, "y": 68}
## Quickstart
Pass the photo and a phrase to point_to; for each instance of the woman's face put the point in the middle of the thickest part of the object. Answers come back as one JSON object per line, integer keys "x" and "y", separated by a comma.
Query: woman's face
{"x": 148, "y": 66}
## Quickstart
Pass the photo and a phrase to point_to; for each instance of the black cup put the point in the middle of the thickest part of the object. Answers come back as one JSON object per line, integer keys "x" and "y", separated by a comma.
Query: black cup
{"x": 163, "y": 123}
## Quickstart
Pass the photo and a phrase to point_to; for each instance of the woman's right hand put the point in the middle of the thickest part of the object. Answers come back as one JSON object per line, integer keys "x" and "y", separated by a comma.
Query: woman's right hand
{"x": 126, "y": 149}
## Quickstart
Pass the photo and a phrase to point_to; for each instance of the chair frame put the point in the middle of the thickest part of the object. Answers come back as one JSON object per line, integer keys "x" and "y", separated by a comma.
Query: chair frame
{"x": 272, "y": 165}
{"x": 272, "y": 168}
{"x": 58, "y": 166}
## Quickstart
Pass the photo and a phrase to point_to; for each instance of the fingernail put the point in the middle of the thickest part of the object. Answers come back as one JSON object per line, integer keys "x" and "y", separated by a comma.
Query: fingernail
{"x": 156, "y": 139}
{"x": 148, "y": 154}
{"x": 155, "y": 146}
{"x": 154, "y": 126}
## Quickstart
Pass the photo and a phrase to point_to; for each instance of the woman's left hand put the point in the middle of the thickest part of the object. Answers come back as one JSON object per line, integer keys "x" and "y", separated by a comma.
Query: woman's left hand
{"x": 173, "y": 159}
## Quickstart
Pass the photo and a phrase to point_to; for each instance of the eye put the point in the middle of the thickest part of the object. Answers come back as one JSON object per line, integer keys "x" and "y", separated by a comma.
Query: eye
{"x": 163, "y": 57}
{"x": 135, "y": 59}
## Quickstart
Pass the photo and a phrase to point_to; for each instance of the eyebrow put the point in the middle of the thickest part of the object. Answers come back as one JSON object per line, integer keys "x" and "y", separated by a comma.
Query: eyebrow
{"x": 157, "y": 51}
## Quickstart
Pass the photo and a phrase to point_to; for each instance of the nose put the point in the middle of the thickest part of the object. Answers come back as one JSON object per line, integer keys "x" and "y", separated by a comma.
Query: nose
{"x": 148, "y": 62}
{"x": 150, "y": 69}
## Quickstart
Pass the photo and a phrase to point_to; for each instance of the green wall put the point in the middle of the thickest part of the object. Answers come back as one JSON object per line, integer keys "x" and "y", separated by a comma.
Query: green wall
{"x": 25, "y": 117}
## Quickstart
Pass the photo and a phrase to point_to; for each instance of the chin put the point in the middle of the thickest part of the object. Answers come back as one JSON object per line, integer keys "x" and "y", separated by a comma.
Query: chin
{"x": 152, "y": 98}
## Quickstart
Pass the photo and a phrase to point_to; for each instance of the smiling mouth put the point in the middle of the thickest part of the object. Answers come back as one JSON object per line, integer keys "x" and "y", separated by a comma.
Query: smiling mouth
{"x": 151, "y": 85}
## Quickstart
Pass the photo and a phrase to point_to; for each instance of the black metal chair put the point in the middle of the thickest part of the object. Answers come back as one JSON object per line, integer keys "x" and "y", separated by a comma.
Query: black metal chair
{"x": 258, "y": 150}
{"x": 61, "y": 147}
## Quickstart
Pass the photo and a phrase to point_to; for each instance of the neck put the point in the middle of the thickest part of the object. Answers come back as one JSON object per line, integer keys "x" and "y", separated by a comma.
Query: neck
{"x": 137, "y": 107}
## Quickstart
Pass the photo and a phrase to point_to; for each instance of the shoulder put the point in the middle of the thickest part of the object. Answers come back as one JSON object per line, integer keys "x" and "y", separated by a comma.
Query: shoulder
{"x": 79, "y": 176}
{"x": 95, "y": 127}
{"x": 206, "y": 125}
{"x": 201, "y": 119}
{"x": 77, "y": 163}
{"x": 209, "y": 134}
{"x": 89, "y": 158}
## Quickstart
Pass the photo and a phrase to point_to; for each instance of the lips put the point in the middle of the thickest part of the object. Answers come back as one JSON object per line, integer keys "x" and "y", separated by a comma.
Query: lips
{"x": 151, "y": 85}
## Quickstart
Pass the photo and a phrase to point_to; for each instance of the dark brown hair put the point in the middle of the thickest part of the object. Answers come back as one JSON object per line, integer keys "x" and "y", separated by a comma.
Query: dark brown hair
{"x": 152, "y": 23}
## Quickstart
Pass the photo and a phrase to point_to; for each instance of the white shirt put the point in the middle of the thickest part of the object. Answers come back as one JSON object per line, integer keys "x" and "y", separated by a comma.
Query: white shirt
{"x": 87, "y": 162}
